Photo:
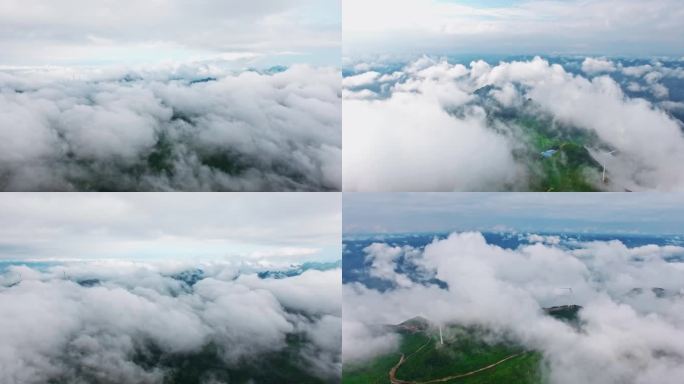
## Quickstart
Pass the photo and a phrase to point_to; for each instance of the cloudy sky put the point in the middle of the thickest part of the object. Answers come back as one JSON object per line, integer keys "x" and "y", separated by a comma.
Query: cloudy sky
{"x": 646, "y": 213}
{"x": 83, "y": 32}
{"x": 605, "y": 27}
{"x": 278, "y": 228}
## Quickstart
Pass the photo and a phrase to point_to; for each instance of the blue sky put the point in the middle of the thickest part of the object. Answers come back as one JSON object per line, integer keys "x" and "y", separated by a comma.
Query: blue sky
{"x": 582, "y": 27}
{"x": 645, "y": 213}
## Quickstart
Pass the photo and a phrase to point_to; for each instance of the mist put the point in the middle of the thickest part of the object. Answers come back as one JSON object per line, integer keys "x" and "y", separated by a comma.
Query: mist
{"x": 135, "y": 322}
{"x": 432, "y": 125}
{"x": 628, "y": 333}
{"x": 191, "y": 127}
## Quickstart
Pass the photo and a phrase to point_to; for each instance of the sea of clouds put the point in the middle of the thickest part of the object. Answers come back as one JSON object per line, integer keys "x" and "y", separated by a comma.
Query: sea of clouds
{"x": 184, "y": 127}
{"x": 629, "y": 332}
{"x": 431, "y": 125}
{"x": 84, "y": 322}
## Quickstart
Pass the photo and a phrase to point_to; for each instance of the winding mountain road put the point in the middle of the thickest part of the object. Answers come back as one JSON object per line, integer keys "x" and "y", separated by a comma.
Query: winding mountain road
{"x": 394, "y": 380}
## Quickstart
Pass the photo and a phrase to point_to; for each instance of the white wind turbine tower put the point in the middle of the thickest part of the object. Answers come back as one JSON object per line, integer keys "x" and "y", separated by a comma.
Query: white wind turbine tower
{"x": 603, "y": 163}
{"x": 441, "y": 339}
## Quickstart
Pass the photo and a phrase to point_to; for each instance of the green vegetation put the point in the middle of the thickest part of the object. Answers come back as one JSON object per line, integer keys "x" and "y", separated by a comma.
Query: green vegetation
{"x": 569, "y": 169}
{"x": 161, "y": 158}
{"x": 377, "y": 371}
{"x": 284, "y": 366}
{"x": 208, "y": 366}
{"x": 225, "y": 162}
{"x": 465, "y": 349}
{"x": 119, "y": 176}
{"x": 566, "y": 313}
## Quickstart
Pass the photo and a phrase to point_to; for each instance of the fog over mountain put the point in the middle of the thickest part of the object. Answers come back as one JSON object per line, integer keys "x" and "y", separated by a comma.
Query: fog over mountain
{"x": 436, "y": 124}
{"x": 184, "y": 127}
{"x": 211, "y": 95}
{"x": 132, "y": 322}
{"x": 630, "y": 325}
{"x": 180, "y": 288}
{"x": 513, "y": 95}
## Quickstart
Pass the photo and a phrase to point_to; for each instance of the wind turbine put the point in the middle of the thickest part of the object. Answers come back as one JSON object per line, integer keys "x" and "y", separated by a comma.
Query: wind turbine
{"x": 441, "y": 339}
{"x": 603, "y": 178}
{"x": 603, "y": 163}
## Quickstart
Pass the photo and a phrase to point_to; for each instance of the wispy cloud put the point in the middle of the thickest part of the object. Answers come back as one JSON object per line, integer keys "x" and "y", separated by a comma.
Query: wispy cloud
{"x": 648, "y": 213}
{"x": 277, "y": 229}
{"x": 630, "y": 27}
{"x": 70, "y": 32}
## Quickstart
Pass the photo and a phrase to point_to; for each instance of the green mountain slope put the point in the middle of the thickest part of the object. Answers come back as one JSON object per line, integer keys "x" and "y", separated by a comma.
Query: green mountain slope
{"x": 470, "y": 352}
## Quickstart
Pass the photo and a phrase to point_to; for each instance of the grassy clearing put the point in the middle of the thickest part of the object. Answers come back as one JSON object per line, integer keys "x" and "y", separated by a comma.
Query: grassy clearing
{"x": 464, "y": 350}
{"x": 571, "y": 168}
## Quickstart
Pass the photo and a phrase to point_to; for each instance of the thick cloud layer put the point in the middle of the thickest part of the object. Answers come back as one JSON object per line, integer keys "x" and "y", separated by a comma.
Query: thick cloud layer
{"x": 433, "y": 125}
{"x": 193, "y": 127}
{"x": 629, "y": 333}
{"x": 119, "y": 322}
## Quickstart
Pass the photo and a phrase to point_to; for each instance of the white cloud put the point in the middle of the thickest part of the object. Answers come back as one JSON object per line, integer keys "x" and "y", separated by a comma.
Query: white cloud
{"x": 652, "y": 73}
{"x": 634, "y": 87}
{"x": 411, "y": 141}
{"x": 625, "y": 336}
{"x": 592, "y": 66}
{"x": 316, "y": 292}
{"x": 361, "y": 95}
{"x": 636, "y": 71}
{"x": 600, "y": 106}
{"x": 434, "y": 131}
{"x": 672, "y": 105}
{"x": 508, "y": 96}
{"x": 660, "y": 91}
{"x": 361, "y": 343}
{"x": 194, "y": 127}
{"x": 364, "y": 78}
{"x": 57, "y": 329}
{"x": 383, "y": 259}
{"x": 552, "y": 240}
